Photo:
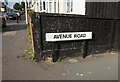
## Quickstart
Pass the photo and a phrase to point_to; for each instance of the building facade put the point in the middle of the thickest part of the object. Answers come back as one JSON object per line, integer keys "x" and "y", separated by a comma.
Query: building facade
{"x": 59, "y": 6}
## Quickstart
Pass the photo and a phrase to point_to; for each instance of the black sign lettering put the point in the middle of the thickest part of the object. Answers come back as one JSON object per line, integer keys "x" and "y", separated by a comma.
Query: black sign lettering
{"x": 56, "y": 37}
{"x": 79, "y": 35}
{"x": 62, "y": 36}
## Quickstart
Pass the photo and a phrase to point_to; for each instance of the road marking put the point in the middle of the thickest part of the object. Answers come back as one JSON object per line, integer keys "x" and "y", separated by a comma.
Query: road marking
{"x": 9, "y": 33}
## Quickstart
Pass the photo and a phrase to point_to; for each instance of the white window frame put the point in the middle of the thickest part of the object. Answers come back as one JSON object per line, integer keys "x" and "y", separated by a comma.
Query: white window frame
{"x": 70, "y": 4}
{"x": 51, "y": 8}
{"x": 61, "y": 6}
{"x": 41, "y": 6}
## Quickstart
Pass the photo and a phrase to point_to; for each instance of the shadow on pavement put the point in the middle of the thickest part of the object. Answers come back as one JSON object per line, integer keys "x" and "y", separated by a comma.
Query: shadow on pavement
{"x": 14, "y": 27}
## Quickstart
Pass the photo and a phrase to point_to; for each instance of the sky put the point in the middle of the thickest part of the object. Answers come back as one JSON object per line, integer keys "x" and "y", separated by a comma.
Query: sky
{"x": 12, "y": 2}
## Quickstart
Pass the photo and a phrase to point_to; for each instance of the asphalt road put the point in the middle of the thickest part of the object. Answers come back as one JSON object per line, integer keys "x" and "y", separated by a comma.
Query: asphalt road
{"x": 100, "y": 67}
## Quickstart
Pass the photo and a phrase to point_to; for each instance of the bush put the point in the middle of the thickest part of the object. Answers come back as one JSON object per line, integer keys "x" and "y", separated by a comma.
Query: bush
{"x": 31, "y": 54}
{"x": 30, "y": 11}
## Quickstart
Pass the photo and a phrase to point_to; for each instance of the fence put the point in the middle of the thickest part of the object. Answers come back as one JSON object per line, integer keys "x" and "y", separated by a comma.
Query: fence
{"x": 102, "y": 9}
{"x": 103, "y": 33}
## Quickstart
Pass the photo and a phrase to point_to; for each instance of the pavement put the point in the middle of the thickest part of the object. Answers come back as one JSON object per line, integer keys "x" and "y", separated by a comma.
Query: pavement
{"x": 14, "y": 39}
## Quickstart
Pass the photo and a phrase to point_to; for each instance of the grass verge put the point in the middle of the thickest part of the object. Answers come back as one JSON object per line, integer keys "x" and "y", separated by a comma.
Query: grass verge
{"x": 30, "y": 50}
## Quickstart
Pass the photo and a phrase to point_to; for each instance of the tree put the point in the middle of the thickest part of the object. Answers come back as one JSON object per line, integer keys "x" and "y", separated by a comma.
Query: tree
{"x": 6, "y": 2}
{"x": 23, "y": 5}
{"x": 17, "y": 6}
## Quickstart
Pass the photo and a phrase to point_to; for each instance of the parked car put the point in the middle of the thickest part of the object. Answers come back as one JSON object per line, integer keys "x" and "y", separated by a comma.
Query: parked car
{"x": 3, "y": 20}
{"x": 13, "y": 15}
{"x": 18, "y": 14}
{"x": 21, "y": 12}
{"x": 4, "y": 14}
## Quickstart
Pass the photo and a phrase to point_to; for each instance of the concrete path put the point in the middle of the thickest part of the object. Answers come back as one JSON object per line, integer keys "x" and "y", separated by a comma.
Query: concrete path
{"x": 102, "y": 67}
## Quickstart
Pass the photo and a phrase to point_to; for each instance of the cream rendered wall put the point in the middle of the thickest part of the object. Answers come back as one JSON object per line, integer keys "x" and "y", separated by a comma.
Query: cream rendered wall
{"x": 32, "y": 7}
{"x": 35, "y": 7}
{"x": 79, "y": 7}
{"x": 62, "y": 6}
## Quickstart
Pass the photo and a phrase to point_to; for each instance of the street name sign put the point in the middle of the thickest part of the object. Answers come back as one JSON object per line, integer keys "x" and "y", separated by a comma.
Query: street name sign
{"x": 68, "y": 36}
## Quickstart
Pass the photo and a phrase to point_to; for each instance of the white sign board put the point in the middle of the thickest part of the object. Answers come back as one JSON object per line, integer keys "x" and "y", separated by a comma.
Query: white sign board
{"x": 68, "y": 36}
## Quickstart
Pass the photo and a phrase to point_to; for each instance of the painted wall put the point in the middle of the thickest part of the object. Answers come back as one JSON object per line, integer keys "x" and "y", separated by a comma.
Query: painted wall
{"x": 79, "y": 7}
{"x": 61, "y": 7}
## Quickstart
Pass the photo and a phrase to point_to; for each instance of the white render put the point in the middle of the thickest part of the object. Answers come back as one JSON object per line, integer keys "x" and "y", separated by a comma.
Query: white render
{"x": 60, "y": 6}
{"x": 79, "y": 7}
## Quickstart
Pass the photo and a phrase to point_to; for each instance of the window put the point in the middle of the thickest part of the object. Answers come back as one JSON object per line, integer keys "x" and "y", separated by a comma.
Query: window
{"x": 43, "y": 5}
{"x": 55, "y": 7}
{"x": 50, "y": 6}
{"x": 46, "y": 6}
{"x": 69, "y": 6}
{"x": 37, "y": 7}
{"x": 40, "y": 5}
